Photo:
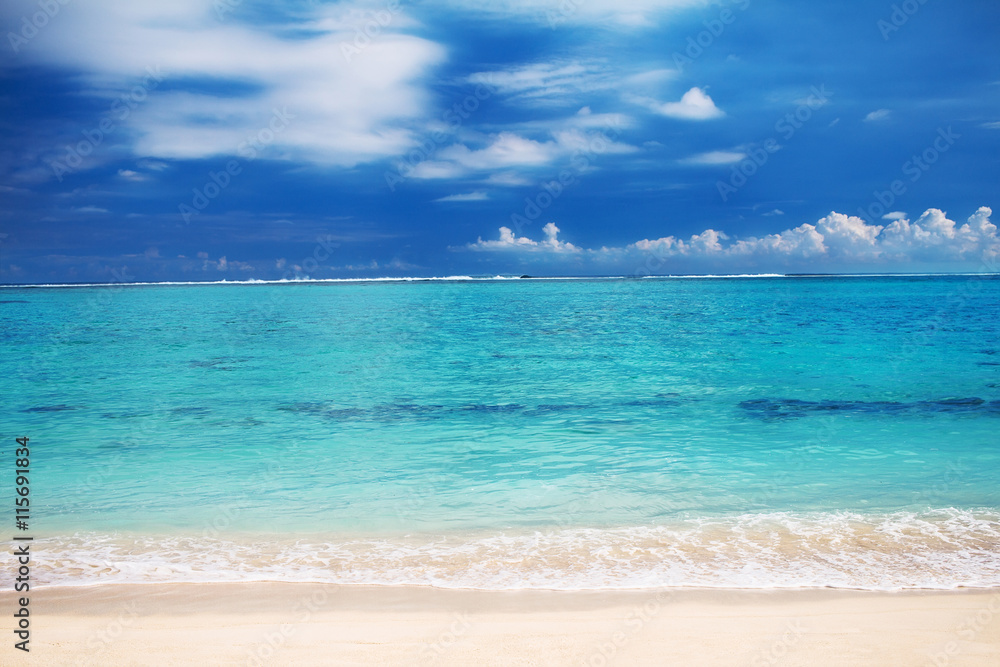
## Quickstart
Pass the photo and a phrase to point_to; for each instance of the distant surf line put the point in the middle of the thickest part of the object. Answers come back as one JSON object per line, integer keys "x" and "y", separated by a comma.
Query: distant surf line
{"x": 497, "y": 278}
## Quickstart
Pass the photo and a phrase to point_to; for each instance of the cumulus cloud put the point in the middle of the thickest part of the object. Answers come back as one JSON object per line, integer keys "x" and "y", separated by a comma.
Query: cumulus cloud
{"x": 850, "y": 240}
{"x": 695, "y": 104}
{"x": 509, "y": 241}
{"x": 837, "y": 239}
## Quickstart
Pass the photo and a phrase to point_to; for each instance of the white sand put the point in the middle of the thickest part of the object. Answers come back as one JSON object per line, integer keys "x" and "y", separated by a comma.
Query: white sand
{"x": 308, "y": 624}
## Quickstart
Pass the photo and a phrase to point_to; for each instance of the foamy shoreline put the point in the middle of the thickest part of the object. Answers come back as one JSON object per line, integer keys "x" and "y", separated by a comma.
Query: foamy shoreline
{"x": 307, "y": 624}
{"x": 942, "y": 549}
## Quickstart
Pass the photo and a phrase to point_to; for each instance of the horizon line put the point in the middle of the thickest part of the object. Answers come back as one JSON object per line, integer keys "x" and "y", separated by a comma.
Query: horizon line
{"x": 495, "y": 277}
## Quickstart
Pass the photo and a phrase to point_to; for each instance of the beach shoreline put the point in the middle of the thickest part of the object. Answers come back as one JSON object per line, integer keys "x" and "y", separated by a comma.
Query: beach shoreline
{"x": 302, "y": 624}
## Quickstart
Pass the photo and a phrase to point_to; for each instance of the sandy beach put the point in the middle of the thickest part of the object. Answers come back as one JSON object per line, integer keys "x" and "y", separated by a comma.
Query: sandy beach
{"x": 312, "y": 624}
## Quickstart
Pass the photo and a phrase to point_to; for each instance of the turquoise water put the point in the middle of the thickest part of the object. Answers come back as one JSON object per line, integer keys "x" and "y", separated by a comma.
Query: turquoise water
{"x": 513, "y": 433}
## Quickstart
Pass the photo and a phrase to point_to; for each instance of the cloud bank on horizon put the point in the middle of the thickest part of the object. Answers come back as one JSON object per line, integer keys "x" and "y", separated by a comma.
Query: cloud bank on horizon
{"x": 365, "y": 137}
{"x": 931, "y": 239}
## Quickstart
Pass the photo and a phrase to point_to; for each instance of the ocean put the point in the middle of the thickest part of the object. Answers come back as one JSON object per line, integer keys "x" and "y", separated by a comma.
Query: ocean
{"x": 752, "y": 432}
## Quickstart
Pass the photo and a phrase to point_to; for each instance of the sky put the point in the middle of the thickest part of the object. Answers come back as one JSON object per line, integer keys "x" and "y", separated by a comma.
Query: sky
{"x": 206, "y": 140}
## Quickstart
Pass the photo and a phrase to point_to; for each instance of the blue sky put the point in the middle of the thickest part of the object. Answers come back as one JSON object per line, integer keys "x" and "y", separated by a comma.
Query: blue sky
{"x": 229, "y": 139}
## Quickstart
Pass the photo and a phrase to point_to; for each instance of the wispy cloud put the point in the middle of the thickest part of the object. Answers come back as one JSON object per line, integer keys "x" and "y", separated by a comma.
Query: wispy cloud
{"x": 713, "y": 158}
{"x": 877, "y": 115}
{"x": 468, "y": 196}
{"x": 349, "y": 107}
{"x": 606, "y": 14}
{"x": 547, "y": 83}
{"x": 511, "y": 151}
{"x": 130, "y": 175}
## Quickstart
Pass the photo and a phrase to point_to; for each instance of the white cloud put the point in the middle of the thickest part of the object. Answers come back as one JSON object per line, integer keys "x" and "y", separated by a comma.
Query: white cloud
{"x": 583, "y": 119}
{"x": 652, "y": 77}
{"x": 713, "y": 158}
{"x": 992, "y": 125}
{"x": 879, "y": 114}
{"x": 849, "y": 239}
{"x": 90, "y": 209}
{"x": 508, "y": 241}
{"x": 468, "y": 196}
{"x": 547, "y": 83}
{"x": 894, "y": 215}
{"x": 604, "y": 13}
{"x": 706, "y": 243}
{"x": 348, "y": 107}
{"x": 511, "y": 151}
{"x": 773, "y": 212}
{"x": 836, "y": 239}
{"x": 506, "y": 150}
{"x": 507, "y": 179}
{"x": 569, "y": 82}
{"x": 154, "y": 165}
{"x": 934, "y": 236}
{"x": 695, "y": 104}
